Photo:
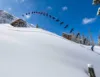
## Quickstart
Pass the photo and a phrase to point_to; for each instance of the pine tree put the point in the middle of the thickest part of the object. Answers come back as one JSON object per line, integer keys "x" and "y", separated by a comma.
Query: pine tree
{"x": 73, "y": 37}
{"x": 37, "y": 26}
{"x": 83, "y": 39}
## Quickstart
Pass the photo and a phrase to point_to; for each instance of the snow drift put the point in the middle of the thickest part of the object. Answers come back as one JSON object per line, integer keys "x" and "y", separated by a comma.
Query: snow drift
{"x": 32, "y": 52}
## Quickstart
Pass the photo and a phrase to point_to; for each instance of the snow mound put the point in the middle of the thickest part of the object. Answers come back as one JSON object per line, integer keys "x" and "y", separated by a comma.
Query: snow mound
{"x": 32, "y": 52}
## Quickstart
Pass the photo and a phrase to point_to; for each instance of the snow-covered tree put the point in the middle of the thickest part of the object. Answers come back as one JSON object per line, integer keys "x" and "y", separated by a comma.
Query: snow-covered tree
{"x": 99, "y": 40}
{"x": 78, "y": 38}
{"x": 37, "y": 26}
{"x": 73, "y": 37}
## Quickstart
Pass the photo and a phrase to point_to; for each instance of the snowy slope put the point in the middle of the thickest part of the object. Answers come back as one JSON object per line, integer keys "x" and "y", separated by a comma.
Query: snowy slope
{"x": 32, "y": 52}
{"x": 96, "y": 48}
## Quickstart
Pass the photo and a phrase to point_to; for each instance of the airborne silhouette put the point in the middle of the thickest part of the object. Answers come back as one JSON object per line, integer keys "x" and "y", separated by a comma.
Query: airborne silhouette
{"x": 71, "y": 30}
{"x": 57, "y": 20}
{"x": 61, "y": 23}
{"x": 48, "y": 15}
{"x": 66, "y": 26}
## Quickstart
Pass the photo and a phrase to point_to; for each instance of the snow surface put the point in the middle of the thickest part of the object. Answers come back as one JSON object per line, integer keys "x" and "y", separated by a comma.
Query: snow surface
{"x": 96, "y": 49}
{"x": 32, "y": 52}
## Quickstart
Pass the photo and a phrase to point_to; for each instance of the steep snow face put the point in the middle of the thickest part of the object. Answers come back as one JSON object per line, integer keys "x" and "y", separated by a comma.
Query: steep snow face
{"x": 6, "y": 17}
{"x": 32, "y": 52}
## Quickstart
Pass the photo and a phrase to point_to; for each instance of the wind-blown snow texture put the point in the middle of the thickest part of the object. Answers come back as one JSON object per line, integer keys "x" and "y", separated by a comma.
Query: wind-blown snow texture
{"x": 32, "y": 52}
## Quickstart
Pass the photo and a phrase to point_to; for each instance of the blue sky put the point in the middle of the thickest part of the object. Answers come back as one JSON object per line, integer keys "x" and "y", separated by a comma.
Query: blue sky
{"x": 79, "y": 14}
